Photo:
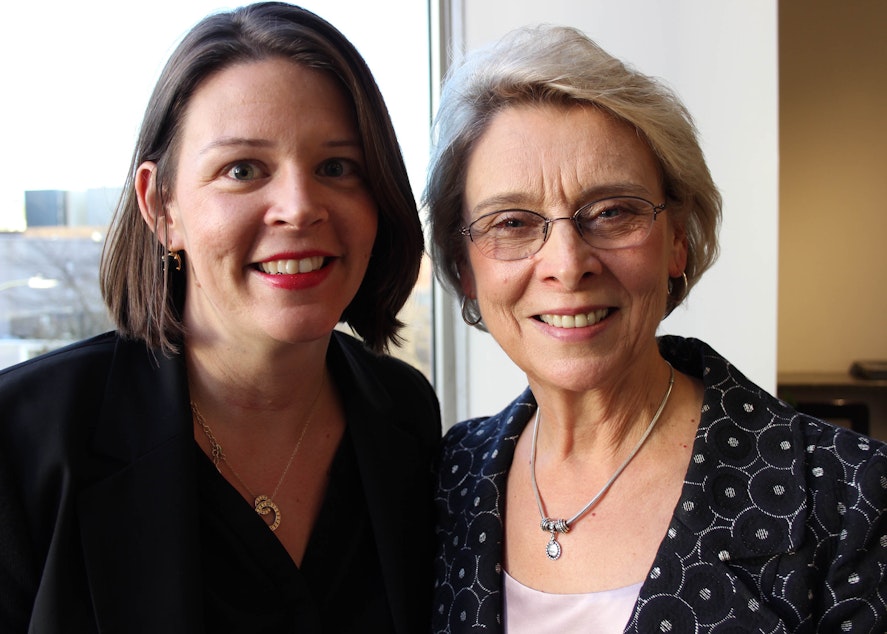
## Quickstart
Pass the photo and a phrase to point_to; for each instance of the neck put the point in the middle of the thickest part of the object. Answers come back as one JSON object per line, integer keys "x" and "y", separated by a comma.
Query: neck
{"x": 556, "y": 525}
{"x": 236, "y": 383}
{"x": 600, "y": 423}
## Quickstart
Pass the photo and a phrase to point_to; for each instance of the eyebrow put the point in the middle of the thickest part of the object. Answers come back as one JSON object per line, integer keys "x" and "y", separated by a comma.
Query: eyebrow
{"x": 226, "y": 142}
{"x": 518, "y": 200}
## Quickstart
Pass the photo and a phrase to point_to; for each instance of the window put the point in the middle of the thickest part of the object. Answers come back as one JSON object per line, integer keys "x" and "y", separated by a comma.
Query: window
{"x": 81, "y": 80}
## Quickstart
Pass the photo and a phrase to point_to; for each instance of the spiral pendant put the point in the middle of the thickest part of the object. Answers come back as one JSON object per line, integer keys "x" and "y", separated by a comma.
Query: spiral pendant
{"x": 265, "y": 505}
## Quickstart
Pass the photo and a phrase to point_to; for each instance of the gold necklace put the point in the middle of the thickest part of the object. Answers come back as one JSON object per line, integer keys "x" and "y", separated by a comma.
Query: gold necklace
{"x": 263, "y": 504}
{"x": 554, "y": 526}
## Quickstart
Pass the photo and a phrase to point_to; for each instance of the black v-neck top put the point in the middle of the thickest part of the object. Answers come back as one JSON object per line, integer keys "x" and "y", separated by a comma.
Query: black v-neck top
{"x": 252, "y": 585}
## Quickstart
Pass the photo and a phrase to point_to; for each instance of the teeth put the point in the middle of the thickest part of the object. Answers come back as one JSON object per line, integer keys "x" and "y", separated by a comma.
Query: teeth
{"x": 575, "y": 321}
{"x": 291, "y": 267}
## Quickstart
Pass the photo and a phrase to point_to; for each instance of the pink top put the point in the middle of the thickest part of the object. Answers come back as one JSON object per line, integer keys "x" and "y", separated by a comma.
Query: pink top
{"x": 529, "y": 611}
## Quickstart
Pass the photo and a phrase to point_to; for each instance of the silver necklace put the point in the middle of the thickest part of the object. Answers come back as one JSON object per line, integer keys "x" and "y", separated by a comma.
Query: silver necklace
{"x": 554, "y": 526}
{"x": 263, "y": 504}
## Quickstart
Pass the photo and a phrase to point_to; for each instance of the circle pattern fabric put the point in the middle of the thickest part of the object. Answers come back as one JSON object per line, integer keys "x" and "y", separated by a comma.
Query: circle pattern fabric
{"x": 780, "y": 527}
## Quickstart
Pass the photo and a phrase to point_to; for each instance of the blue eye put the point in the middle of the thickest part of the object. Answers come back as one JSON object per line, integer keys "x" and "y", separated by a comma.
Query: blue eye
{"x": 243, "y": 172}
{"x": 611, "y": 212}
{"x": 339, "y": 168}
{"x": 510, "y": 222}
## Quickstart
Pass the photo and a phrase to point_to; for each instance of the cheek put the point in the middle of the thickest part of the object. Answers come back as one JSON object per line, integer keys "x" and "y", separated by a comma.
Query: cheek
{"x": 214, "y": 237}
{"x": 499, "y": 284}
{"x": 646, "y": 280}
{"x": 195, "y": 216}
{"x": 362, "y": 232}
{"x": 643, "y": 276}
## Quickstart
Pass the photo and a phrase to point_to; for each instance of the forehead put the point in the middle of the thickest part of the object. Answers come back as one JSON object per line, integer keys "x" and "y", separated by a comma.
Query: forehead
{"x": 547, "y": 154}
{"x": 264, "y": 93}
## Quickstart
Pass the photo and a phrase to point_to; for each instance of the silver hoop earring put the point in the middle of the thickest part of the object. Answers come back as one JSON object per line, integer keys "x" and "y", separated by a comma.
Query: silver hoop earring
{"x": 684, "y": 282}
{"x": 470, "y": 314}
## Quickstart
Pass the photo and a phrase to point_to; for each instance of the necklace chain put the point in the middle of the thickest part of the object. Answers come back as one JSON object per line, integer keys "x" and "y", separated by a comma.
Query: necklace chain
{"x": 554, "y": 526}
{"x": 263, "y": 504}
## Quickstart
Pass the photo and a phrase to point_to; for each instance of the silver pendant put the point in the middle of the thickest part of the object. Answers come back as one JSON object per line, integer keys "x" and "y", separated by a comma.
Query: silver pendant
{"x": 553, "y": 549}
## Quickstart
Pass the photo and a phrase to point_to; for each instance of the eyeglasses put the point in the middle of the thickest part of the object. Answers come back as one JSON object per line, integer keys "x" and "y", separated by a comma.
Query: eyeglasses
{"x": 612, "y": 223}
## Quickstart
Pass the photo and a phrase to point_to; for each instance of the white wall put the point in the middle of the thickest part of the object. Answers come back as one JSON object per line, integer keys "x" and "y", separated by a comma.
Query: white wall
{"x": 721, "y": 58}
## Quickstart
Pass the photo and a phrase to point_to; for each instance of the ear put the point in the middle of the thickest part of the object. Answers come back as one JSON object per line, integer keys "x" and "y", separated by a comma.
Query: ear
{"x": 159, "y": 221}
{"x": 677, "y": 263}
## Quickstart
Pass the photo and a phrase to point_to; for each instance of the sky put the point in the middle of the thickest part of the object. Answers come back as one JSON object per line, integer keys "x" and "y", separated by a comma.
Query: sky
{"x": 79, "y": 75}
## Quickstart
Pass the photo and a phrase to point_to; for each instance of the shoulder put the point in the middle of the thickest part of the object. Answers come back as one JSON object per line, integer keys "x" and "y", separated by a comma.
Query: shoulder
{"x": 387, "y": 383}
{"x": 50, "y": 407}
{"x": 735, "y": 407}
{"x": 71, "y": 358}
{"x": 840, "y": 459}
{"x": 770, "y": 485}
{"x": 73, "y": 373}
{"x": 787, "y": 461}
{"x": 696, "y": 358}
{"x": 55, "y": 397}
{"x": 476, "y": 431}
{"x": 386, "y": 368}
{"x": 486, "y": 444}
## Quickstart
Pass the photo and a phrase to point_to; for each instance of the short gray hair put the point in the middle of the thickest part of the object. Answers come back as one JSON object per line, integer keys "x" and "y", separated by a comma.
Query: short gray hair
{"x": 561, "y": 65}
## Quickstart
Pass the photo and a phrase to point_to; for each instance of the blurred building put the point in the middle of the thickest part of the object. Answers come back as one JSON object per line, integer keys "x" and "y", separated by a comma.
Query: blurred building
{"x": 49, "y": 289}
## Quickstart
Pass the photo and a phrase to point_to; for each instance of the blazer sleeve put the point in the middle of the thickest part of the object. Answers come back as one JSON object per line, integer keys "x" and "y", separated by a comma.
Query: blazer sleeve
{"x": 853, "y": 508}
{"x": 48, "y": 408}
{"x": 18, "y": 581}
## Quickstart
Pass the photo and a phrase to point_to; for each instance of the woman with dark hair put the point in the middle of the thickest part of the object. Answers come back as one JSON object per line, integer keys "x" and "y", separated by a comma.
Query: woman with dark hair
{"x": 640, "y": 483}
{"x": 225, "y": 461}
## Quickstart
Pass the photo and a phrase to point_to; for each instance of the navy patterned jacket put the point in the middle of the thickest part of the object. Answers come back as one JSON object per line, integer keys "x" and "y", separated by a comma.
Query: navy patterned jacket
{"x": 781, "y": 525}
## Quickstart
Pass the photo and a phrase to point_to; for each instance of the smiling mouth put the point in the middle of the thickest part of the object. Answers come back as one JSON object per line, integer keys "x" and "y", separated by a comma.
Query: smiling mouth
{"x": 580, "y": 320}
{"x": 291, "y": 267}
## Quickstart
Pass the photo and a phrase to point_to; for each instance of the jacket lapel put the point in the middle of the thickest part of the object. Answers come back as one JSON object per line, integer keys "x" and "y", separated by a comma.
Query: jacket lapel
{"x": 743, "y": 504}
{"x": 471, "y": 506}
{"x": 384, "y": 454}
{"x": 139, "y": 519}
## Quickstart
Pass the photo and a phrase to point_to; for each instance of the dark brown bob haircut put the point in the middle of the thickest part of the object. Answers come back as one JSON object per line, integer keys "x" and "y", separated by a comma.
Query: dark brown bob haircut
{"x": 146, "y": 298}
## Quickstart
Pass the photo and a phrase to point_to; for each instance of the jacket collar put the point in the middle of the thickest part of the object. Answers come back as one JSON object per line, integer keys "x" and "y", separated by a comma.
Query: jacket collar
{"x": 744, "y": 490}
{"x": 139, "y": 519}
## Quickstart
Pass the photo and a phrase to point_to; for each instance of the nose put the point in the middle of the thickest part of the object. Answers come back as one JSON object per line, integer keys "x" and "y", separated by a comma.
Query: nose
{"x": 297, "y": 200}
{"x": 549, "y": 223}
{"x": 566, "y": 257}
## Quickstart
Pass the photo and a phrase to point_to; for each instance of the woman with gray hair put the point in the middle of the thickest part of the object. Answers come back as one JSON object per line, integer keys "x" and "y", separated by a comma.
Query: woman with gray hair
{"x": 640, "y": 483}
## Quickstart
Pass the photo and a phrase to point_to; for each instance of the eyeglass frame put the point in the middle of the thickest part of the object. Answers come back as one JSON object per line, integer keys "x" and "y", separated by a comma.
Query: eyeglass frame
{"x": 547, "y": 222}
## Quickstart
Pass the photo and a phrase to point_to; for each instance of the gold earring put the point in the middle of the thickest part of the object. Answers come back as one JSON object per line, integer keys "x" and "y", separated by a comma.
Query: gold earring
{"x": 175, "y": 257}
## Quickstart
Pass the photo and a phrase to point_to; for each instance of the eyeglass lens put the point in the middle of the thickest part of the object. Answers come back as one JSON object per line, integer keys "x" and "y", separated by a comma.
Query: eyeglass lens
{"x": 612, "y": 223}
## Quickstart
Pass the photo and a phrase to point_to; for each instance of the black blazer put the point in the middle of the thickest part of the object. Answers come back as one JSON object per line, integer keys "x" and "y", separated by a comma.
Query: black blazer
{"x": 98, "y": 497}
